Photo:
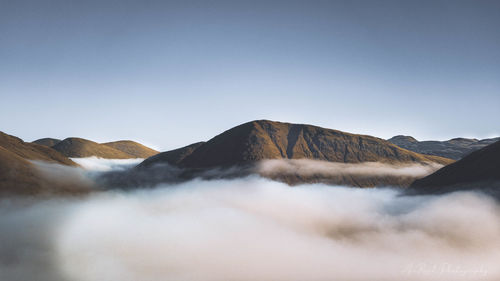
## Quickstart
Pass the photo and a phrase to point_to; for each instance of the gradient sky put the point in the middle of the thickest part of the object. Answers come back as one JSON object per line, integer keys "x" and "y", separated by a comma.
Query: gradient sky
{"x": 169, "y": 73}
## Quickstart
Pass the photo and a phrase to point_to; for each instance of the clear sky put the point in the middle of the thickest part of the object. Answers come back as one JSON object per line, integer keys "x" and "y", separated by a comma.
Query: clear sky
{"x": 169, "y": 73}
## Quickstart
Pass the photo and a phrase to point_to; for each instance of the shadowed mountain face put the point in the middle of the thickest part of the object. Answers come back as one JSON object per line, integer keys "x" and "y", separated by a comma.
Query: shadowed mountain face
{"x": 453, "y": 149}
{"x": 20, "y": 176}
{"x": 47, "y": 141}
{"x": 480, "y": 169}
{"x": 132, "y": 148}
{"x": 259, "y": 140}
{"x": 172, "y": 157}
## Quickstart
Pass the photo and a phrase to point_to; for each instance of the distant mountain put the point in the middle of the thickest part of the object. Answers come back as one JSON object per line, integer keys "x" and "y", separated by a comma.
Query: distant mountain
{"x": 19, "y": 176}
{"x": 453, "y": 149}
{"x": 132, "y": 148}
{"x": 478, "y": 170}
{"x": 78, "y": 147}
{"x": 47, "y": 141}
{"x": 246, "y": 144}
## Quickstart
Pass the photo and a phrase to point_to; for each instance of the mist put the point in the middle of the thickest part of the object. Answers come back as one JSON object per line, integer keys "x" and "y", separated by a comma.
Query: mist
{"x": 290, "y": 171}
{"x": 307, "y": 167}
{"x": 104, "y": 165}
{"x": 251, "y": 229}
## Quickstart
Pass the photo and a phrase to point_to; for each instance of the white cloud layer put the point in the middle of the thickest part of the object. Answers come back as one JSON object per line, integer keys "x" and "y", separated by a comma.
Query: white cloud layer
{"x": 104, "y": 165}
{"x": 306, "y": 167}
{"x": 251, "y": 229}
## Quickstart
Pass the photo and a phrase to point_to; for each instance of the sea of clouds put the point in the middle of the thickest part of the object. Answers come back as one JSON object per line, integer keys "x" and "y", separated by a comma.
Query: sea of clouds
{"x": 250, "y": 229}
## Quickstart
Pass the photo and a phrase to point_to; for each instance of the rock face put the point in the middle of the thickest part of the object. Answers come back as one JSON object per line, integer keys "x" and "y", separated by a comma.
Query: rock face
{"x": 454, "y": 149}
{"x": 478, "y": 170}
{"x": 47, "y": 141}
{"x": 19, "y": 176}
{"x": 263, "y": 139}
{"x": 132, "y": 148}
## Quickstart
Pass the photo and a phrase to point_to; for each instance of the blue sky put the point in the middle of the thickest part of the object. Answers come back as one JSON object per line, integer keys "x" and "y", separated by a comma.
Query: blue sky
{"x": 169, "y": 73}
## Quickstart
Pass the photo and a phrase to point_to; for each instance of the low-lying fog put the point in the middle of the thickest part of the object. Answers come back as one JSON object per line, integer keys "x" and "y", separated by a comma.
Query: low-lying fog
{"x": 251, "y": 229}
{"x": 306, "y": 167}
{"x": 105, "y": 165}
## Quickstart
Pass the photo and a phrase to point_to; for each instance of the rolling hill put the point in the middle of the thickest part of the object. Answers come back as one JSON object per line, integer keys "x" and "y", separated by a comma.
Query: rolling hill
{"x": 18, "y": 174}
{"x": 79, "y": 147}
{"x": 32, "y": 151}
{"x": 132, "y": 148}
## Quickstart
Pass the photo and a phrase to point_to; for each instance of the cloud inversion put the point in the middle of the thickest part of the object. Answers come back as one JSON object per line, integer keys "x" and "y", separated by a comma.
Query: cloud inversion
{"x": 251, "y": 229}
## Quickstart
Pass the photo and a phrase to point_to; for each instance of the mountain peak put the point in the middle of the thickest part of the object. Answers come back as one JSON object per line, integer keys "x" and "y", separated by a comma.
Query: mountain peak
{"x": 47, "y": 141}
{"x": 402, "y": 138}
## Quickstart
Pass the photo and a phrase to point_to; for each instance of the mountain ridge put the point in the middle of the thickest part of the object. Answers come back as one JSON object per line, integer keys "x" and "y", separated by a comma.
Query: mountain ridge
{"x": 455, "y": 148}
{"x": 132, "y": 148}
{"x": 124, "y": 149}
